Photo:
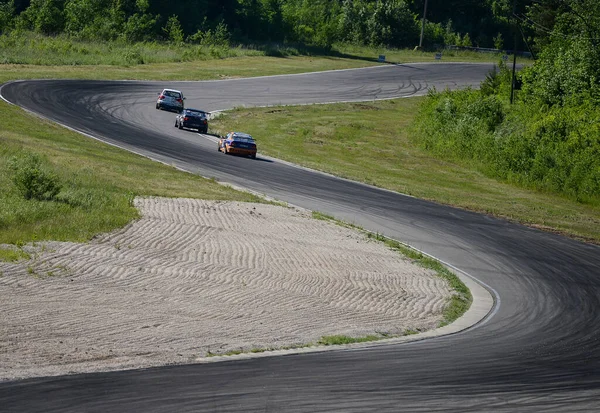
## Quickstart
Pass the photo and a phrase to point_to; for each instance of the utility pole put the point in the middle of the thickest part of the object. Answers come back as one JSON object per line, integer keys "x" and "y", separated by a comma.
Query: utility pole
{"x": 513, "y": 80}
{"x": 423, "y": 25}
{"x": 514, "y": 66}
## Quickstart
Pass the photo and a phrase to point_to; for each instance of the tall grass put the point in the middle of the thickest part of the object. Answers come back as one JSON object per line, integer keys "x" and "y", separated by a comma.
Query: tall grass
{"x": 36, "y": 49}
{"x": 30, "y": 48}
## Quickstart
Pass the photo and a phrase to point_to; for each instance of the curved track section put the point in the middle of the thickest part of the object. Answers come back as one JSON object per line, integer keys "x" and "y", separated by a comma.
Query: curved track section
{"x": 540, "y": 351}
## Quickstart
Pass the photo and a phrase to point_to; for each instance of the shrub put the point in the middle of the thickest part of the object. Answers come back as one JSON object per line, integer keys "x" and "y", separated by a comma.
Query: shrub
{"x": 499, "y": 42}
{"x": 218, "y": 37}
{"x": 133, "y": 57}
{"x": 492, "y": 82}
{"x": 139, "y": 27}
{"x": 553, "y": 149}
{"x": 488, "y": 110}
{"x": 32, "y": 179}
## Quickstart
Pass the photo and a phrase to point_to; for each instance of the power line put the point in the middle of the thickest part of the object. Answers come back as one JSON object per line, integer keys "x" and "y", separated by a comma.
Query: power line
{"x": 525, "y": 40}
{"x": 526, "y": 19}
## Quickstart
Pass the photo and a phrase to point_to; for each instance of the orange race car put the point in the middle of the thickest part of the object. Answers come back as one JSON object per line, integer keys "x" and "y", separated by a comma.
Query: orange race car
{"x": 238, "y": 143}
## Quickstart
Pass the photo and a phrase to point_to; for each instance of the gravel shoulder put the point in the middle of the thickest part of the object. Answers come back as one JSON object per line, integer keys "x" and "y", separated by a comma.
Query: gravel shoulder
{"x": 192, "y": 277}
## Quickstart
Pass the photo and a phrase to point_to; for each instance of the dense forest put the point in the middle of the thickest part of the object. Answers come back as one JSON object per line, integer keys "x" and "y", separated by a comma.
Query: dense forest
{"x": 393, "y": 23}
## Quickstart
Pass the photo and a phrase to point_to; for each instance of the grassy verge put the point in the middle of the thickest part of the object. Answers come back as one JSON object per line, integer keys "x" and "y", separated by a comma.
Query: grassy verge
{"x": 411, "y": 56}
{"x": 370, "y": 142}
{"x": 36, "y": 49}
{"x": 235, "y": 67}
{"x": 32, "y": 56}
{"x": 98, "y": 183}
{"x": 336, "y": 340}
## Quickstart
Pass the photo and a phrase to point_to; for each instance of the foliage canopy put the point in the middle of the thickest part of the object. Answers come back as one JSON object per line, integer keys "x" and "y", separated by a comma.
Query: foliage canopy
{"x": 393, "y": 23}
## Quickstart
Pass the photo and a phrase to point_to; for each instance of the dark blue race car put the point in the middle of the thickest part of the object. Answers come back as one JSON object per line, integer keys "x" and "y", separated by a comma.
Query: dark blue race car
{"x": 192, "y": 119}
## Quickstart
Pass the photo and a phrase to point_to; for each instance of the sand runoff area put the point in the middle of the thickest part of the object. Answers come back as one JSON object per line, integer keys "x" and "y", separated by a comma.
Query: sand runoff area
{"x": 194, "y": 277}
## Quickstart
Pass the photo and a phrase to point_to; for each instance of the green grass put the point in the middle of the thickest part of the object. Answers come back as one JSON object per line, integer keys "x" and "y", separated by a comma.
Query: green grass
{"x": 99, "y": 183}
{"x": 13, "y": 254}
{"x": 321, "y": 216}
{"x": 370, "y": 142}
{"x": 33, "y": 56}
{"x": 28, "y": 48}
{"x": 367, "y": 142}
{"x": 411, "y": 56}
{"x": 243, "y": 66}
{"x": 341, "y": 339}
{"x": 335, "y": 340}
{"x": 98, "y": 189}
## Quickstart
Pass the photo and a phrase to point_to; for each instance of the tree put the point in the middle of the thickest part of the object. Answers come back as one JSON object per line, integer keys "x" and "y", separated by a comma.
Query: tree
{"x": 44, "y": 16}
{"x": 7, "y": 10}
{"x": 393, "y": 24}
{"x": 173, "y": 30}
{"x": 568, "y": 68}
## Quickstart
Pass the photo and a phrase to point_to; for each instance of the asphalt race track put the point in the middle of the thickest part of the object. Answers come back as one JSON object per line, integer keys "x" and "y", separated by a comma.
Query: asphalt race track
{"x": 539, "y": 351}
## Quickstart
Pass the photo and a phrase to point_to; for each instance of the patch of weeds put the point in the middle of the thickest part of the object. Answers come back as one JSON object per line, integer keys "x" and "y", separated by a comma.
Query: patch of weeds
{"x": 279, "y": 203}
{"x": 323, "y": 341}
{"x": 133, "y": 57}
{"x": 411, "y": 332}
{"x": 229, "y": 353}
{"x": 261, "y": 350}
{"x": 256, "y": 350}
{"x": 341, "y": 339}
{"x": 59, "y": 270}
{"x": 33, "y": 179}
{"x": 364, "y": 106}
{"x": 376, "y": 236}
{"x": 297, "y": 346}
{"x": 458, "y": 305}
{"x": 322, "y": 217}
{"x": 13, "y": 255}
{"x": 233, "y": 353}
